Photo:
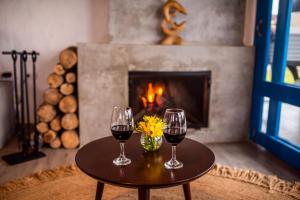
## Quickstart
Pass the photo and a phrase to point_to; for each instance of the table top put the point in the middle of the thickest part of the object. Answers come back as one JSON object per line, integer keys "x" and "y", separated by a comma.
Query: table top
{"x": 146, "y": 168}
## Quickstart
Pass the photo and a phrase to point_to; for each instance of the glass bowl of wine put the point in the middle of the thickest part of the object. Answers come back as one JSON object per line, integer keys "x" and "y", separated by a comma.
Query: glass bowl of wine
{"x": 174, "y": 133}
{"x": 122, "y": 126}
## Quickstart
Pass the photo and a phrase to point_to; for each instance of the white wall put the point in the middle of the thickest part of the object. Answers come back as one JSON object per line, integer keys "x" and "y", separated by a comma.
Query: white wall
{"x": 48, "y": 26}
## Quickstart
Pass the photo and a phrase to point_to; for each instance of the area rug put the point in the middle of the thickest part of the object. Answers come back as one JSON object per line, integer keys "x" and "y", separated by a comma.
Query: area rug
{"x": 220, "y": 183}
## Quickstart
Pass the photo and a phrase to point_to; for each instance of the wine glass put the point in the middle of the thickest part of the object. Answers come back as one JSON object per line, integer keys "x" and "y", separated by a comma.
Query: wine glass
{"x": 174, "y": 133}
{"x": 122, "y": 126}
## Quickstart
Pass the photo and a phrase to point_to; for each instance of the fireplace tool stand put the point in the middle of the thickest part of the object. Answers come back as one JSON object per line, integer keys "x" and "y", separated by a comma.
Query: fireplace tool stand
{"x": 25, "y": 130}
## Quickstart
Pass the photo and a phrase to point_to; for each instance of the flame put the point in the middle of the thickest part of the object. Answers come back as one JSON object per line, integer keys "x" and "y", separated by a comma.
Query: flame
{"x": 150, "y": 93}
{"x": 144, "y": 100}
{"x": 153, "y": 95}
{"x": 160, "y": 91}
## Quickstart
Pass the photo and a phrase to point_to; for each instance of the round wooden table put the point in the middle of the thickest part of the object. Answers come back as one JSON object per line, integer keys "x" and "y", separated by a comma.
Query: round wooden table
{"x": 146, "y": 170}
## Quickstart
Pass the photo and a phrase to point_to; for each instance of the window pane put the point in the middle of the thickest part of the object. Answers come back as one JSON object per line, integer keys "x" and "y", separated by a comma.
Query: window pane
{"x": 292, "y": 72}
{"x": 289, "y": 128}
{"x": 275, "y": 5}
{"x": 265, "y": 114}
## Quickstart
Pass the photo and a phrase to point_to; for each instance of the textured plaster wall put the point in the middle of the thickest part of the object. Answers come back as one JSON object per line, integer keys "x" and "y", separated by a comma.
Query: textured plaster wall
{"x": 48, "y": 27}
{"x": 103, "y": 83}
{"x": 209, "y": 22}
{"x": 6, "y": 112}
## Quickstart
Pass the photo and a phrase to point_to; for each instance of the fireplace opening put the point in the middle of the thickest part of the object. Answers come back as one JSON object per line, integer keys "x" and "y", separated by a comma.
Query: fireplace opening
{"x": 154, "y": 92}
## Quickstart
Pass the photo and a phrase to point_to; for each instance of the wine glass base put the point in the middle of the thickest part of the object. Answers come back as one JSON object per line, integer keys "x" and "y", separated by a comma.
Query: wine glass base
{"x": 121, "y": 161}
{"x": 173, "y": 164}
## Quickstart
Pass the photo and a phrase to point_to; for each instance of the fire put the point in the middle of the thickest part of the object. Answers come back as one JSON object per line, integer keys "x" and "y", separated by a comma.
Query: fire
{"x": 153, "y": 95}
{"x": 150, "y": 93}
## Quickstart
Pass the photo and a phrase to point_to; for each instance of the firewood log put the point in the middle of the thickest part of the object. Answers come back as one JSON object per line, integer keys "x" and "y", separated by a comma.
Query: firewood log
{"x": 68, "y": 57}
{"x": 46, "y": 112}
{"x": 66, "y": 89}
{"x": 68, "y": 104}
{"x": 55, "y": 124}
{"x": 70, "y": 77}
{"x": 59, "y": 69}
{"x": 55, "y": 80}
{"x": 42, "y": 127}
{"x": 56, "y": 143}
{"x": 69, "y": 121}
{"x": 52, "y": 96}
{"x": 70, "y": 139}
{"x": 49, "y": 136}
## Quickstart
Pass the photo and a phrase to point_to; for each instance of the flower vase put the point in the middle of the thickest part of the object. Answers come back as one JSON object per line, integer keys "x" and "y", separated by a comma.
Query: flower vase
{"x": 151, "y": 143}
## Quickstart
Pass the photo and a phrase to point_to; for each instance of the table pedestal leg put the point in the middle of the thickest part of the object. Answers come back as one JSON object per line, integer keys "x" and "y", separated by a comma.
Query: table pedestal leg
{"x": 144, "y": 193}
{"x": 99, "y": 191}
{"x": 187, "y": 191}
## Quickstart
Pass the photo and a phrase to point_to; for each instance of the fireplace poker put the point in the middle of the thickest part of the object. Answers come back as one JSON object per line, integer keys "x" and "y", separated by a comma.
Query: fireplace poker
{"x": 23, "y": 125}
{"x": 36, "y": 135}
{"x": 15, "y": 58}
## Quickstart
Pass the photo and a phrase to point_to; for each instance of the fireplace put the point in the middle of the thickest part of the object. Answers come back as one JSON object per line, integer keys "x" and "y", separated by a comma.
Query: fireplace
{"x": 153, "y": 92}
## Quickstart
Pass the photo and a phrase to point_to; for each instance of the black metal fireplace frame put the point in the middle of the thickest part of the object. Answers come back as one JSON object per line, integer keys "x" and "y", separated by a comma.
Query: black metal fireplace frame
{"x": 161, "y": 74}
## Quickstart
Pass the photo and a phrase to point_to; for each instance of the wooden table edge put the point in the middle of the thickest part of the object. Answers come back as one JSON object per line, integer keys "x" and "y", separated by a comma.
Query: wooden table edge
{"x": 148, "y": 186}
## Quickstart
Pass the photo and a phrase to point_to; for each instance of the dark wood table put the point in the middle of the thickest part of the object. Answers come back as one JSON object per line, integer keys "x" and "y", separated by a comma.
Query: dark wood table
{"x": 146, "y": 170}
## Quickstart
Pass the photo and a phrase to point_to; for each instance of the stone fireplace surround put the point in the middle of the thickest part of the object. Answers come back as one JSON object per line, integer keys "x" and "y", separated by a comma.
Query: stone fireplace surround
{"x": 103, "y": 83}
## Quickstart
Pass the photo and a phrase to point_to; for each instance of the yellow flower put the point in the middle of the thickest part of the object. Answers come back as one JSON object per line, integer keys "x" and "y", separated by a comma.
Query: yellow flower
{"x": 151, "y": 126}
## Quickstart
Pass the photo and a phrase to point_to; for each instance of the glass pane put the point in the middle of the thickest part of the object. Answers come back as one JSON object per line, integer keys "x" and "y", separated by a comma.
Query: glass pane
{"x": 289, "y": 128}
{"x": 275, "y": 5}
{"x": 292, "y": 72}
{"x": 265, "y": 114}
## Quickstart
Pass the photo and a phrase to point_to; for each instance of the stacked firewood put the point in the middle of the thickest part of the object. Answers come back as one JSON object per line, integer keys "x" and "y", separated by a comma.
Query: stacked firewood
{"x": 58, "y": 114}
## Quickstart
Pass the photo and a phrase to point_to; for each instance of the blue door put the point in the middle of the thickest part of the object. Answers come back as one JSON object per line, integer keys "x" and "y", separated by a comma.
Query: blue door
{"x": 275, "y": 117}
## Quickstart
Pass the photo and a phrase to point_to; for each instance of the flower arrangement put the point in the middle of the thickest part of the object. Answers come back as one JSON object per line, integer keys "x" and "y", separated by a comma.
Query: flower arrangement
{"x": 151, "y": 128}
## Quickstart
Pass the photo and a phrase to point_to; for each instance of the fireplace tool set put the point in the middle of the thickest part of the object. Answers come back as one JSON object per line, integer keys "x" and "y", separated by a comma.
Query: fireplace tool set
{"x": 28, "y": 137}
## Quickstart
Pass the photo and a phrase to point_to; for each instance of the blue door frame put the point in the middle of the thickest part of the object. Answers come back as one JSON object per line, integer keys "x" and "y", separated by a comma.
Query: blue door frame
{"x": 276, "y": 90}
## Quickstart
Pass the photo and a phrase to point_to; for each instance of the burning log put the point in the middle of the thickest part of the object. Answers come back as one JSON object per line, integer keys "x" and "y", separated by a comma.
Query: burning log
{"x": 55, "y": 80}
{"x": 140, "y": 115}
{"x": 67, "y": 89}
{"x": 70, "y": 139}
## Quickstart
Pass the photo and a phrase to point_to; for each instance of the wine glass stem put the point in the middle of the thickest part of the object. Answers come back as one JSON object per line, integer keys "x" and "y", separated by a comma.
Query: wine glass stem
{"x": 122, "y": 147}
{"x": 173, "y": 153}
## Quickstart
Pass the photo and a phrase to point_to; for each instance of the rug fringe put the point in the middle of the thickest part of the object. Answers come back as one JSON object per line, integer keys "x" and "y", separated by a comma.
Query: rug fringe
{"x": 253, "y": 177}
{"x": 40, "y": 177}
{"x": 245, "y": 175}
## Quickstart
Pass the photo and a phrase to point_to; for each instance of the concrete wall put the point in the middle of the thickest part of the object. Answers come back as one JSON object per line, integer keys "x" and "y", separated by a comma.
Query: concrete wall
{"x": 209, "y": 22}
{"x": 103, "y": 83}
{"x": 48, "y": 27}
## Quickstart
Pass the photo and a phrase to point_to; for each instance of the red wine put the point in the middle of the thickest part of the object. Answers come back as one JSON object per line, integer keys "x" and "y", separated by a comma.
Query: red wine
{"x": 122, "y": 132}
{"x": 174, "y": 135}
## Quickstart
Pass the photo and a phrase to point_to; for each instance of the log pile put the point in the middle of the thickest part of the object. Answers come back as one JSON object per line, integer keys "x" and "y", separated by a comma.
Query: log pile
{"x": 58, "y": 114}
